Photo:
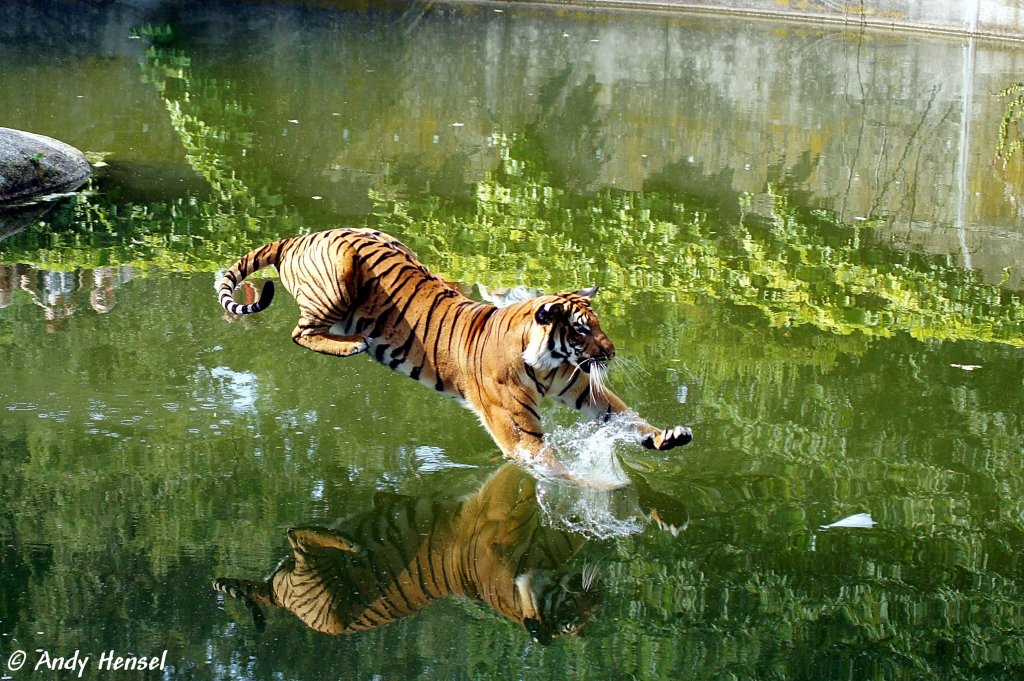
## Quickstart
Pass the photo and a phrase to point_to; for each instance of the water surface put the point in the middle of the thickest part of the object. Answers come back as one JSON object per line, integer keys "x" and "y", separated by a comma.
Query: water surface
{"x": 808, "y": 243}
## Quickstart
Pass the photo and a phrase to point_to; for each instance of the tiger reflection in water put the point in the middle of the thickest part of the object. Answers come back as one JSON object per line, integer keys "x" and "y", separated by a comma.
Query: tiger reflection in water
{"x": 407, "y": 553}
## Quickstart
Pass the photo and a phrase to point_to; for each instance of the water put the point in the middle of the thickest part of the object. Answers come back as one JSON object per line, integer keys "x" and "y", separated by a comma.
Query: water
{"x": 808, "y": 243}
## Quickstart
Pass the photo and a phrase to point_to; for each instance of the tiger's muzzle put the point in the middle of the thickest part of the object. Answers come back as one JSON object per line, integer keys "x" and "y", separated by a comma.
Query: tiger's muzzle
{"x": 599, "y": 360}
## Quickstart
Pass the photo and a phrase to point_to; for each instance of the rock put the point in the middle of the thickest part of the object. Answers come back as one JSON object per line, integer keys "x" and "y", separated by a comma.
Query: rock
{"x": 33, "y": 165}
{"x": 14, "y": 219}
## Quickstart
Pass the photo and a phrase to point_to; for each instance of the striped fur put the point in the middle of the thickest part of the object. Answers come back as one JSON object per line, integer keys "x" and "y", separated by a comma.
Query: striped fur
{"x": 362, "y": 290}
{"x": 407, "y": 553}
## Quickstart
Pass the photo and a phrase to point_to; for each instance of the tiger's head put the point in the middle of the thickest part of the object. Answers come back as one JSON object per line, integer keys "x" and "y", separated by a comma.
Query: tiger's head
{"x": 559, "y": 604}
{"x": 566, "y": 331}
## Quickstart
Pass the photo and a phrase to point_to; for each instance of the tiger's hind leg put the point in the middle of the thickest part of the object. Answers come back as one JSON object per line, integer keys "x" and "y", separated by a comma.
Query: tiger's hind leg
{"x": 318, "y": 338}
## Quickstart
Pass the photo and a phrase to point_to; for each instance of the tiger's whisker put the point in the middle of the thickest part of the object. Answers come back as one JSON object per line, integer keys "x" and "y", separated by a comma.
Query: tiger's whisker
{"x": 591, "y": 576}
{"x": 597, "y": 377}
{"x": 629, "y": 369}
{"x": 578, "y": 368}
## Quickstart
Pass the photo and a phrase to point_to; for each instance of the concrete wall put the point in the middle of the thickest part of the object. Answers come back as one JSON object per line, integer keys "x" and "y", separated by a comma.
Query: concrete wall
{"x": 888, "y": 126}
{"x": 1003, "y": 19}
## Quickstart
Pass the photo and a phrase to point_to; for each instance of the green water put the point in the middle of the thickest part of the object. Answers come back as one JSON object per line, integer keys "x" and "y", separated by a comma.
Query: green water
{"x": 808, "y": 243}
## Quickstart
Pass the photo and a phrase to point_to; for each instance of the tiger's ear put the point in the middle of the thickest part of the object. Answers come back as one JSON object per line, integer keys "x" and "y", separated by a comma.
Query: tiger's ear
{"x": 548, "y": 313}
{"x": 588, "y": 293}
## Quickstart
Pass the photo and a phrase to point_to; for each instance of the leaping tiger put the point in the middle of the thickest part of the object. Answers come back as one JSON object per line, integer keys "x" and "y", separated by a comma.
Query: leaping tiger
{"x": 361, "y": 290}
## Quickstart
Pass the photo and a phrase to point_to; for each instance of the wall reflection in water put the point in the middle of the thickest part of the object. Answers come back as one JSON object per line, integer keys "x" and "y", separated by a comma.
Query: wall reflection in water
{"x": 60, "y": 294}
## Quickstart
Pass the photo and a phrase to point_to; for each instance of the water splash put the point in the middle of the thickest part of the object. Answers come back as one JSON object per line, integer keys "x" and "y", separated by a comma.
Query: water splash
{"x": 501, "y": 297}
{"x": 589, "y": 512}
{"x": 588, "y": 450}
{"x": 590, "y": 506}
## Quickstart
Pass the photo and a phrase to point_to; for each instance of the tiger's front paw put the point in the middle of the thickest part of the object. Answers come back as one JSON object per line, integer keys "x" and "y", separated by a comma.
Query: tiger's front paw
{"x": 667, "y": 439}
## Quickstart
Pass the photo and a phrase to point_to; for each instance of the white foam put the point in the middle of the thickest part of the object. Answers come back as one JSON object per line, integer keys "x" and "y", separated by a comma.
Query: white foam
{"x": 589, "y": 506}
{"x": 588, "y": 450}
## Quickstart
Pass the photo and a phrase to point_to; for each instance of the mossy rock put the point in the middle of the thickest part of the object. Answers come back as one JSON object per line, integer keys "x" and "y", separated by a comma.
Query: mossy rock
{"x": 33, "y": 166}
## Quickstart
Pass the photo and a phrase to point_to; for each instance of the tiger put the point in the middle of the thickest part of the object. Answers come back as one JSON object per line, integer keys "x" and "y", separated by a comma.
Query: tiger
{"x": 406, "y": 553}
{"x": 364, "y": 291}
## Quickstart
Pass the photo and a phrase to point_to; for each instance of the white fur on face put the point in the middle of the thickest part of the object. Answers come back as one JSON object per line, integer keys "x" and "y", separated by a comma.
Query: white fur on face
{"x": 536, "y": 353}
{"x": 526, "y": 595}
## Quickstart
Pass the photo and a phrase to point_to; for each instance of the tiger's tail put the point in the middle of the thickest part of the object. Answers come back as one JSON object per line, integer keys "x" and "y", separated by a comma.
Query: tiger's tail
{"x": 263, "y": 256}
{"x": 250, "y": 593}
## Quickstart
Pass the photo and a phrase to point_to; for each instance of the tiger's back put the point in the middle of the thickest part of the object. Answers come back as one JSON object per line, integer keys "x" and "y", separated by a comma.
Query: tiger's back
{"x": 361, "y": 290}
